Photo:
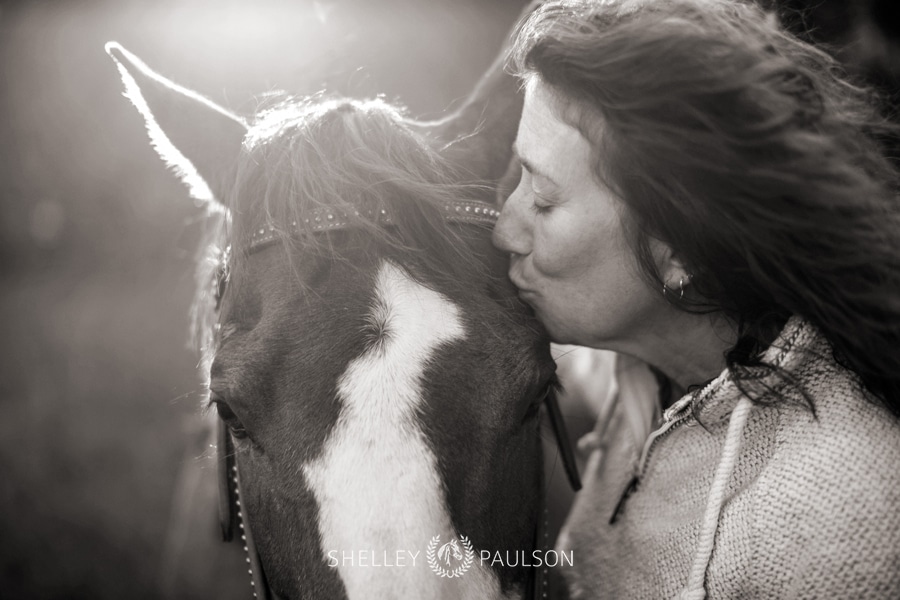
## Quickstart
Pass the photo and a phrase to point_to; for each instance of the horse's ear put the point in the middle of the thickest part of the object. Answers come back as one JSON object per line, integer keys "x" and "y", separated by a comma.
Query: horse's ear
{"x": 197, "y": 138}
{"x": 478, "y": 137}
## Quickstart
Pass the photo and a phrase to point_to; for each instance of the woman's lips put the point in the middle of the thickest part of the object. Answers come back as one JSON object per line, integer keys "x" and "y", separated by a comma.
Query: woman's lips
{"x": 524, "y": 292}
{"x": 517, "y": 282}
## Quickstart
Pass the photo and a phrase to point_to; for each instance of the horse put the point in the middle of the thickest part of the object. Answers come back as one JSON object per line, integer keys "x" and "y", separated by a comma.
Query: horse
{"x": 377, "y": 380}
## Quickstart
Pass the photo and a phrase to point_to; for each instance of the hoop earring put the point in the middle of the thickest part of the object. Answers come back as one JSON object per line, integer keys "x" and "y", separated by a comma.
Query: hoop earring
{"x": 681, "y": 282}
{"x": 666, "y": 289}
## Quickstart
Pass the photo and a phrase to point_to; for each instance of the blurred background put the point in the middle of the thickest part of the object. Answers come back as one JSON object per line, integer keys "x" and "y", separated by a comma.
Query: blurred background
{"x": 99, "y": 391}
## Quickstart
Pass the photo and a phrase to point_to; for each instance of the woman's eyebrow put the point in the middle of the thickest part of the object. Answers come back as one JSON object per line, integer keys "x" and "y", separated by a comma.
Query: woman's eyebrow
{"x": 528, "y": 165}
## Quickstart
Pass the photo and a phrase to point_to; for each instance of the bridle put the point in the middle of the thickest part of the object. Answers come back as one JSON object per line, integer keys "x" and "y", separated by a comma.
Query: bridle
{"x": 232, "y": 516}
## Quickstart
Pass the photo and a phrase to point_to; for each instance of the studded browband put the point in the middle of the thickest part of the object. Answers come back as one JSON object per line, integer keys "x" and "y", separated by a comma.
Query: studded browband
{"x": 459, "y": 211}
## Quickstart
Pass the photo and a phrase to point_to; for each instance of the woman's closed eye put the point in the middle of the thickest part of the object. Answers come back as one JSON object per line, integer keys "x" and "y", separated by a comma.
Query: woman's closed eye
{"x": 541, "y": 191}
{"x": 543, "y": 197}
{"x": 540, "y": 204}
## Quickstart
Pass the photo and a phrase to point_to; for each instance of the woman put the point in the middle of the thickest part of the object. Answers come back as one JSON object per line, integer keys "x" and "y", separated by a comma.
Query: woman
{"x": 702, "y": 193}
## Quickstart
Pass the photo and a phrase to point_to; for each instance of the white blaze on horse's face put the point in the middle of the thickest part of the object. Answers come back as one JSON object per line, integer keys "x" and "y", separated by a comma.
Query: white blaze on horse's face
{"x": 377, "y": 466}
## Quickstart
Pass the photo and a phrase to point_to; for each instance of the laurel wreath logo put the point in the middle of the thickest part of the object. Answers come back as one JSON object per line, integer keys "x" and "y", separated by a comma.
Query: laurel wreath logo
{"x": 467, "y": 558}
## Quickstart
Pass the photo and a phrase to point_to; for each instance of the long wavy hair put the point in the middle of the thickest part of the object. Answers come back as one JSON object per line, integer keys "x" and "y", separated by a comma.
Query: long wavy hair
{"x": 748, "y": 153}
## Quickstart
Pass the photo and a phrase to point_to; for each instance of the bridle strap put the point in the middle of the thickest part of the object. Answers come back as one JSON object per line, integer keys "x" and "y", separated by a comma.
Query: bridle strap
{"x": 257, "y": 573}
{"x": 457, "y": 211}
{"x": 234, "y": 514}
{"x": 561, "y": 433}
{"x": 540, "y": 582}
{"x": 224, "y": 464}
{"x": 538, "y": 579}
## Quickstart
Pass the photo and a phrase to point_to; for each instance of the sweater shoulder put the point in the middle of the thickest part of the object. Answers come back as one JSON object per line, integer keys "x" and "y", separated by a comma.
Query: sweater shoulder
{"x": 847, "y": 434}
{"x": 828, "y": 499}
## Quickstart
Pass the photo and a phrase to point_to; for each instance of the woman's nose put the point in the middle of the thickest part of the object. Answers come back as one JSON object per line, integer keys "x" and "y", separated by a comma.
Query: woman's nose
{"x": 512, "y": 233}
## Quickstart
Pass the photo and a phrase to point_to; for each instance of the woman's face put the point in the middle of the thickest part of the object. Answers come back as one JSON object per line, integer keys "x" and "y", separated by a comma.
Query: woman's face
{"x": 569, "y": 256}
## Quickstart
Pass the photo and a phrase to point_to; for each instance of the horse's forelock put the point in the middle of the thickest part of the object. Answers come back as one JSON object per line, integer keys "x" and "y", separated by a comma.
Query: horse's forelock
{"x": 317, "y": 157}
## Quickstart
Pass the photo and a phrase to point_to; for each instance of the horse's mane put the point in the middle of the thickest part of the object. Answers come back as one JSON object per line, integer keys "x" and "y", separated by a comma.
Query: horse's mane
{"x": 328, "y": 156}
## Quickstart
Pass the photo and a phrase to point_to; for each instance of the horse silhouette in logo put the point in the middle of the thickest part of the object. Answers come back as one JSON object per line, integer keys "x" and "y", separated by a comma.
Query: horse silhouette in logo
{"x": 445, "y": 551}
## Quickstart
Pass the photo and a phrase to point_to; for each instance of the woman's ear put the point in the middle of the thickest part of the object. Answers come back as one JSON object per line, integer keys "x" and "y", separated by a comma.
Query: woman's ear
{"x": 672, "y": 270}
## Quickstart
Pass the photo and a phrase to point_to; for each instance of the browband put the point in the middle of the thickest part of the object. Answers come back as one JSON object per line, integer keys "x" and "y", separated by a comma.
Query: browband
{"x": 458, "y": 211}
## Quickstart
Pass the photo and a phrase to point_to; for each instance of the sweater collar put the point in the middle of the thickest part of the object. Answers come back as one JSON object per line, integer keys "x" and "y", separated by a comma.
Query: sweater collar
{"x": 798, "y": 344}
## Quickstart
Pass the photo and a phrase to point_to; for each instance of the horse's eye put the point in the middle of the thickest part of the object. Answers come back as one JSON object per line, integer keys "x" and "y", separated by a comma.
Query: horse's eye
{"x": 229, "y": 418}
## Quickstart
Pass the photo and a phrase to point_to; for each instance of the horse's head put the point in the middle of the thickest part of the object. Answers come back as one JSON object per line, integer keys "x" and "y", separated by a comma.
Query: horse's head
{"x": 448, "y": 550}
{"x": 379, "y": 377}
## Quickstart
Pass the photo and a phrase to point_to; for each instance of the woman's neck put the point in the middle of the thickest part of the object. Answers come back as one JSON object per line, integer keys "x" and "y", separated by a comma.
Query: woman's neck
{"x": 688, "y": 348}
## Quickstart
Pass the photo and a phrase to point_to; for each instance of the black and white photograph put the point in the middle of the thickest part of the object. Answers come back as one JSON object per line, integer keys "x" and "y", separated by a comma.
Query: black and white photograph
{"x": 450, "y": 299}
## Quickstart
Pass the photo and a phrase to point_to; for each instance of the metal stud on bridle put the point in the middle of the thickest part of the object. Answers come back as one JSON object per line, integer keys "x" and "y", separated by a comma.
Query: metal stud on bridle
{"x": 460, "y": 211}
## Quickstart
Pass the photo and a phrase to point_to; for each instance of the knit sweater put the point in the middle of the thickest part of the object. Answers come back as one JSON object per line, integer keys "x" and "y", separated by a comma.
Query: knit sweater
{"x": 810, "y": 507}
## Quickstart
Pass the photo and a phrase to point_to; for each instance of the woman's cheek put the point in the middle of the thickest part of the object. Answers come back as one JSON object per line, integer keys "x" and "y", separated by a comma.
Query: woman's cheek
{"x": 566, "y": 241}
{"x": 551, "y": 255}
